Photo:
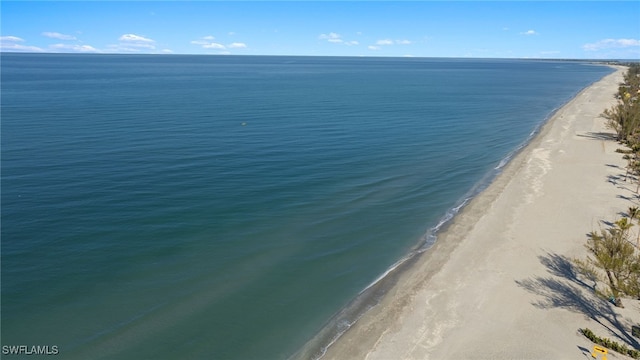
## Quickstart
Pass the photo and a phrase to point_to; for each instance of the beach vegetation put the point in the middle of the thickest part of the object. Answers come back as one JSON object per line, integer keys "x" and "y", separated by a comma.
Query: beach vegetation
{"x": 623, "y": 151}
{"x": 624, "y": 117}
{"x": 613, "y": 260}
{"x": 610, "y": 344}
{"x": 634, "y": 214}
{"x": 633, "y": 164}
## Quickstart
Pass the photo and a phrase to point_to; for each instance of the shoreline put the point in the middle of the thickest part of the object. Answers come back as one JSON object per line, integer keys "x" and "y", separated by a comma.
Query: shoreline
{"x": 410, "y": 320}
{"x": 371, "y": 296}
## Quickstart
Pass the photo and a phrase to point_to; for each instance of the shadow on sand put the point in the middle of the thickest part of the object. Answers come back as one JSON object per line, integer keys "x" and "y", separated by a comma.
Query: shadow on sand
{"x": 586, "y": 352}
{"x": 626, "y": 182}
{"x": 565, "y": 289}
{"x": 599, "y": 136}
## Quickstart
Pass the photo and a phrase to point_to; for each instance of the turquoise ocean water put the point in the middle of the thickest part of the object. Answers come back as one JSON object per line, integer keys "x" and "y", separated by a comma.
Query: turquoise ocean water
{"x": 223, "y": 207}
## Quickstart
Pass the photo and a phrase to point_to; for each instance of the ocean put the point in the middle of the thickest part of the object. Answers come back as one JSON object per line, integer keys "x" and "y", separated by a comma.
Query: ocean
{"x": 233, "y": 207}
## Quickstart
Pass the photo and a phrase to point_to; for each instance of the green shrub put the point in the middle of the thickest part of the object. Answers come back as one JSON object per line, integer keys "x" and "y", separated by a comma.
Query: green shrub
{"x": 610, "y": 344}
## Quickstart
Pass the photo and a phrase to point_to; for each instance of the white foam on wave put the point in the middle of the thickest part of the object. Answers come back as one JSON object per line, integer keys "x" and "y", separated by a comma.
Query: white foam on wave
{"x": 384, "y": 275}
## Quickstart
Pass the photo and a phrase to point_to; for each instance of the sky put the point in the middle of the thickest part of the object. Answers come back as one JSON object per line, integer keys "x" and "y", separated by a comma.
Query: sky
{"x": 479, "y": 29}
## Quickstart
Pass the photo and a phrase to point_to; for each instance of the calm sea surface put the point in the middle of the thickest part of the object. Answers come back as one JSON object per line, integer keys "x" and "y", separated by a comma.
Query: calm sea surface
{"x": 222, "y": 207}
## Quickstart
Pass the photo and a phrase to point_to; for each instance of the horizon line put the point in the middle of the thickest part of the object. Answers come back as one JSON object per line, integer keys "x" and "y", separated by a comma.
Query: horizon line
{"x": 332, "y": 56}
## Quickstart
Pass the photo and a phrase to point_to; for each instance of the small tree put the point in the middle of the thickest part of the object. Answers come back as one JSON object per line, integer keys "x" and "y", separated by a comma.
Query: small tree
{"x": 613, "y": 260}
{"x": 616, "y": 121}
{"x": 624, "y": 117}
{"x": 632, "y": 284}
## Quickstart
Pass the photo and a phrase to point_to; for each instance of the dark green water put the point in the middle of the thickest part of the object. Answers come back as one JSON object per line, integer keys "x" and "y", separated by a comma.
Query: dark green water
{"x": 202, "y": 207}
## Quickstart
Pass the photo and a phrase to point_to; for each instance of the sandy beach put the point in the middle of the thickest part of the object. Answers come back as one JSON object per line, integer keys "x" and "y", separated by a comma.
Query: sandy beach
{"x": 498, "y": 284}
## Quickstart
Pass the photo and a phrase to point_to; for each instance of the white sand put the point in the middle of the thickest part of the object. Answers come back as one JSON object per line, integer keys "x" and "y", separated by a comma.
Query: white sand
{"x": 497, "y": 283}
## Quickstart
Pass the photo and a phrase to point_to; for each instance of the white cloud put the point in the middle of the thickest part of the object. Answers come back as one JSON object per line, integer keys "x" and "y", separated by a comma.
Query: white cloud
{"x": 388, "y": 42}
{"x": 74, "y": 48}
{"x": 628, "y": 42}
{"x": 56, "y": 35}
{"x": 206, "y": 42}
{"x": 166, "y": 51}
{"x": 371, "y": 47}
{"x": 231, "y": 33}
{"x": 132, "y": 43}
{"x": 133, "y": 38}
{"x": 214, "y": 46}
{"x": 11, "y": 44}
{"x": 611, "y": 44}
{"x": 337, "y": 39}
{"x": 11, "y": 39}
{"x": 529, "y": 32}
{"x": 331, "y": 37}
{"x": 19, "y": 48}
